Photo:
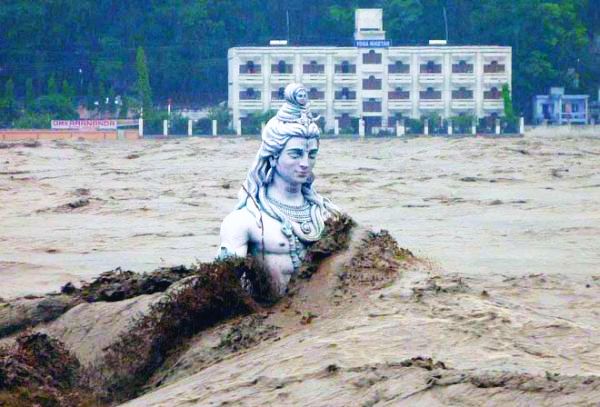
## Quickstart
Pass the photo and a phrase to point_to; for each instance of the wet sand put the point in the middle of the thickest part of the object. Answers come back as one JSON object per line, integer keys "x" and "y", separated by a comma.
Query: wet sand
{"x": 480, "y": 207}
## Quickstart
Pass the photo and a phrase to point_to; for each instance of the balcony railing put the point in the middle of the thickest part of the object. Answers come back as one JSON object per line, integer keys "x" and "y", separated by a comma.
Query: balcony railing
{"x": 371, "y": 106}
{"x": 345, "y": 69}
{"x": 250, "y": 96}
{"x": 462, "y": 68}
{"x": 313, "y": 68}
{"x": 494, "y": 68}
{"x": 245, "y": 69}
{"x": 398, "y": 68}
{"x": 371, "y": 84}
{"x": 430, "y": 95}
{"x": 316, "y": 95}
{"x": 276, "y": 68}
{"x": 428, "y": 68}
{"x": 351, "y": 95}
{"x": 462, "y": 94}
{"x": 371, "y": 58}
{"x": 404, "y": 94}
{"x": 492, "y": 94}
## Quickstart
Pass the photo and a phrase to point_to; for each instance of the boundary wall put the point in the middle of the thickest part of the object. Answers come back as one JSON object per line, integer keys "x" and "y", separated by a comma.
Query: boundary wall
{"x": 15, "y": 135}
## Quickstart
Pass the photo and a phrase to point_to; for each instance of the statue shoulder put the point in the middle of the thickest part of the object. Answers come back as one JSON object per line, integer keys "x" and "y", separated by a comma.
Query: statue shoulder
{"x": 240, "y": 219}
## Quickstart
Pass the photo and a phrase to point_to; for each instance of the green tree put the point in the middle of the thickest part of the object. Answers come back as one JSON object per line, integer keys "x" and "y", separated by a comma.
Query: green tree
{"x": 124, "y": 110}
{"x": 29, "y": 94}
{"x": 8, "y": 105}
{"x": 102, "y": 105}
{"x": 112, "y": 107}
{"x": 143, "y": 82}
{"x": 508, "y": 106}
{"x": 52, "y": 89}
{"x": 90, "y": 98}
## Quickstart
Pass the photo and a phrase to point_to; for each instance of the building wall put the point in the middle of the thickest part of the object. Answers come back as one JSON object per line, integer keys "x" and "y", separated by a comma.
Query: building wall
{"x": 433, "y": 88}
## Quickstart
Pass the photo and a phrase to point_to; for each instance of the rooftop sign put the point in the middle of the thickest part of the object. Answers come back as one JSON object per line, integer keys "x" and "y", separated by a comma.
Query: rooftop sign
{"x": 372, "y": 43}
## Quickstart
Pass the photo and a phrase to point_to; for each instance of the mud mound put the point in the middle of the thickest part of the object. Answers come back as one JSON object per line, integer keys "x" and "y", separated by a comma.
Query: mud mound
{"x": 211, "y": 295}
{"x": 38, "y": 370}
{"x": 28, "y": 312}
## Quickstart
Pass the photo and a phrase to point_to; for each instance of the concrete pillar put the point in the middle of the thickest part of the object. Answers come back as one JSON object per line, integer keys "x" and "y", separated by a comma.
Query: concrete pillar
{"x": 238, "y": 127}
{"x": 361, "y": 128}
{"x": 214, "y": 127}
{"x": 336, "y": 127}
{"x": 141, "y": 127}
{"x": 497, "y": 126}
{"x": 474, "y": 128}
{"x": 450, "y": 127}
{"x": 426, "y": 127}
{"x": 521, "y": 125}
{"x": 400, "y": 129}
{"x": 165, "y": 128}
{"x": 262, "y": 127}
{"x": 190, "y": 127}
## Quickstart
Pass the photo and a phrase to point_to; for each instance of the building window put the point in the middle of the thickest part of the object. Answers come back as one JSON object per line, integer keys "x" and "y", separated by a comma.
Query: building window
{"x": 250, "y": 66}
{"x": 372, "y": 83}
{"x": 431, "y": 67}
{"x": 345, "y": 67}
{"x": 281, "y": 67}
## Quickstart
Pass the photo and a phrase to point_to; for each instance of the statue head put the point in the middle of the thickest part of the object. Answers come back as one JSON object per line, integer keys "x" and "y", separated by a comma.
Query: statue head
{"x": 293, "y": 120}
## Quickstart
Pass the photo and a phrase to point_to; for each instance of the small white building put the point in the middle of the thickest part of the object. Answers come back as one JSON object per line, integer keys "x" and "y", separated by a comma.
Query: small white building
{"x": 372, "y": 80}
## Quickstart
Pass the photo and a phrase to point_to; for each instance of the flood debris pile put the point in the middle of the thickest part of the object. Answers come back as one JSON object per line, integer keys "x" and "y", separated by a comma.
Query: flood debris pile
{"x": 186, "y": 301}
{"x": 336, "y": 237}
{"x": 118, "y": 284}
{"x": 37, "y": 370}
{"x": 211, "y": 295}
{"x": 377, "y": 261}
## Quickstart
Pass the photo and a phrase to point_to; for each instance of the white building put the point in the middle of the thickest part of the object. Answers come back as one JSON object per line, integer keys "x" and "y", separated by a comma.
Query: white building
{"x": 372, "y": 80}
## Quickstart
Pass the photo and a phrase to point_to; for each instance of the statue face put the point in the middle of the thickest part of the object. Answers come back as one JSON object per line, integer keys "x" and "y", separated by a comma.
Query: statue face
{"x": 296, "y": 161}
{"x": 302, "y": 96}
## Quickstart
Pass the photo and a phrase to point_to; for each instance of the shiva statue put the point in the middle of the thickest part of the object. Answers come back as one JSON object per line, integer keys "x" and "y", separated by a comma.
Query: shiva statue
{"x": 279, "y": 212}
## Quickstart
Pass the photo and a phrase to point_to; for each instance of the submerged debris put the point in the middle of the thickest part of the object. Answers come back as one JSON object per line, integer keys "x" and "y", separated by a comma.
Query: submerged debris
{"x": 38, "y": 370}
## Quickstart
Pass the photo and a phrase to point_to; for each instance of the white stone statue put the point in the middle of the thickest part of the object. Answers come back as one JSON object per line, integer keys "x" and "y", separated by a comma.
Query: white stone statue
{"x": 279, "y": 213}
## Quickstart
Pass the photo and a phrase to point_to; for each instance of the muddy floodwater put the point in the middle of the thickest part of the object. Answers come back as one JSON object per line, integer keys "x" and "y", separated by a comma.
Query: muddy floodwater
{"x": 499, "y": 307}
{"x": 512, "y": 207}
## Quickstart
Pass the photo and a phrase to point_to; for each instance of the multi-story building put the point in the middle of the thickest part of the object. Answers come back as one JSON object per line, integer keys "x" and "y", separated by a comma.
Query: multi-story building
{"x": 372, "y": 80}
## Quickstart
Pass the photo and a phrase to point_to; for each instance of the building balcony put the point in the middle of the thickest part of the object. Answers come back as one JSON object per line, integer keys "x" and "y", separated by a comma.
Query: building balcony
{"x": 318, "y": 104}
{"x": 282, "y": 68}
{"x": 493, "y": 104}
{"x": 462, "y": 94}
{"x": 495, "y": 79}
{"x": 250, "y": 69}
{"x": 430, "y": 95}
{"x": 399, "y": 78}
{"x": 494, "y": 68}
{"x": 492, "y": 94}
{"x": 276, "y": 104}
{"x": 316, "y": 95}
{"x": 463, "y": 104}
{"x": 430, "y": 68}
{"x": 252, "y": 95}
{"x": 463, "y": 78}
{"x": 431, "y": 78}
{"x": 344, "y": 69}
{"x": 462, "y": 68}
{"x": 399, "y": 69}
{"x": 398, "y": 95}
{"x": 399, "y": 104}
{"x": 371, "y": 106}
{"x": 340, "y": 95}
{"x": 250, "y": 105}
{"x": 314, "y": 78}
{"x": 313, "y": 68}
{"x": 429, "y": 104}
{"x": 282, "y": 78}
{"x": 371, "y": 84}
{"x": 345, "y": 105}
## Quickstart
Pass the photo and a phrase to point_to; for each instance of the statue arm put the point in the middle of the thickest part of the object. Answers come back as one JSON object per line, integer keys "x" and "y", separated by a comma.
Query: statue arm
{"x": 235, "y": 235}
